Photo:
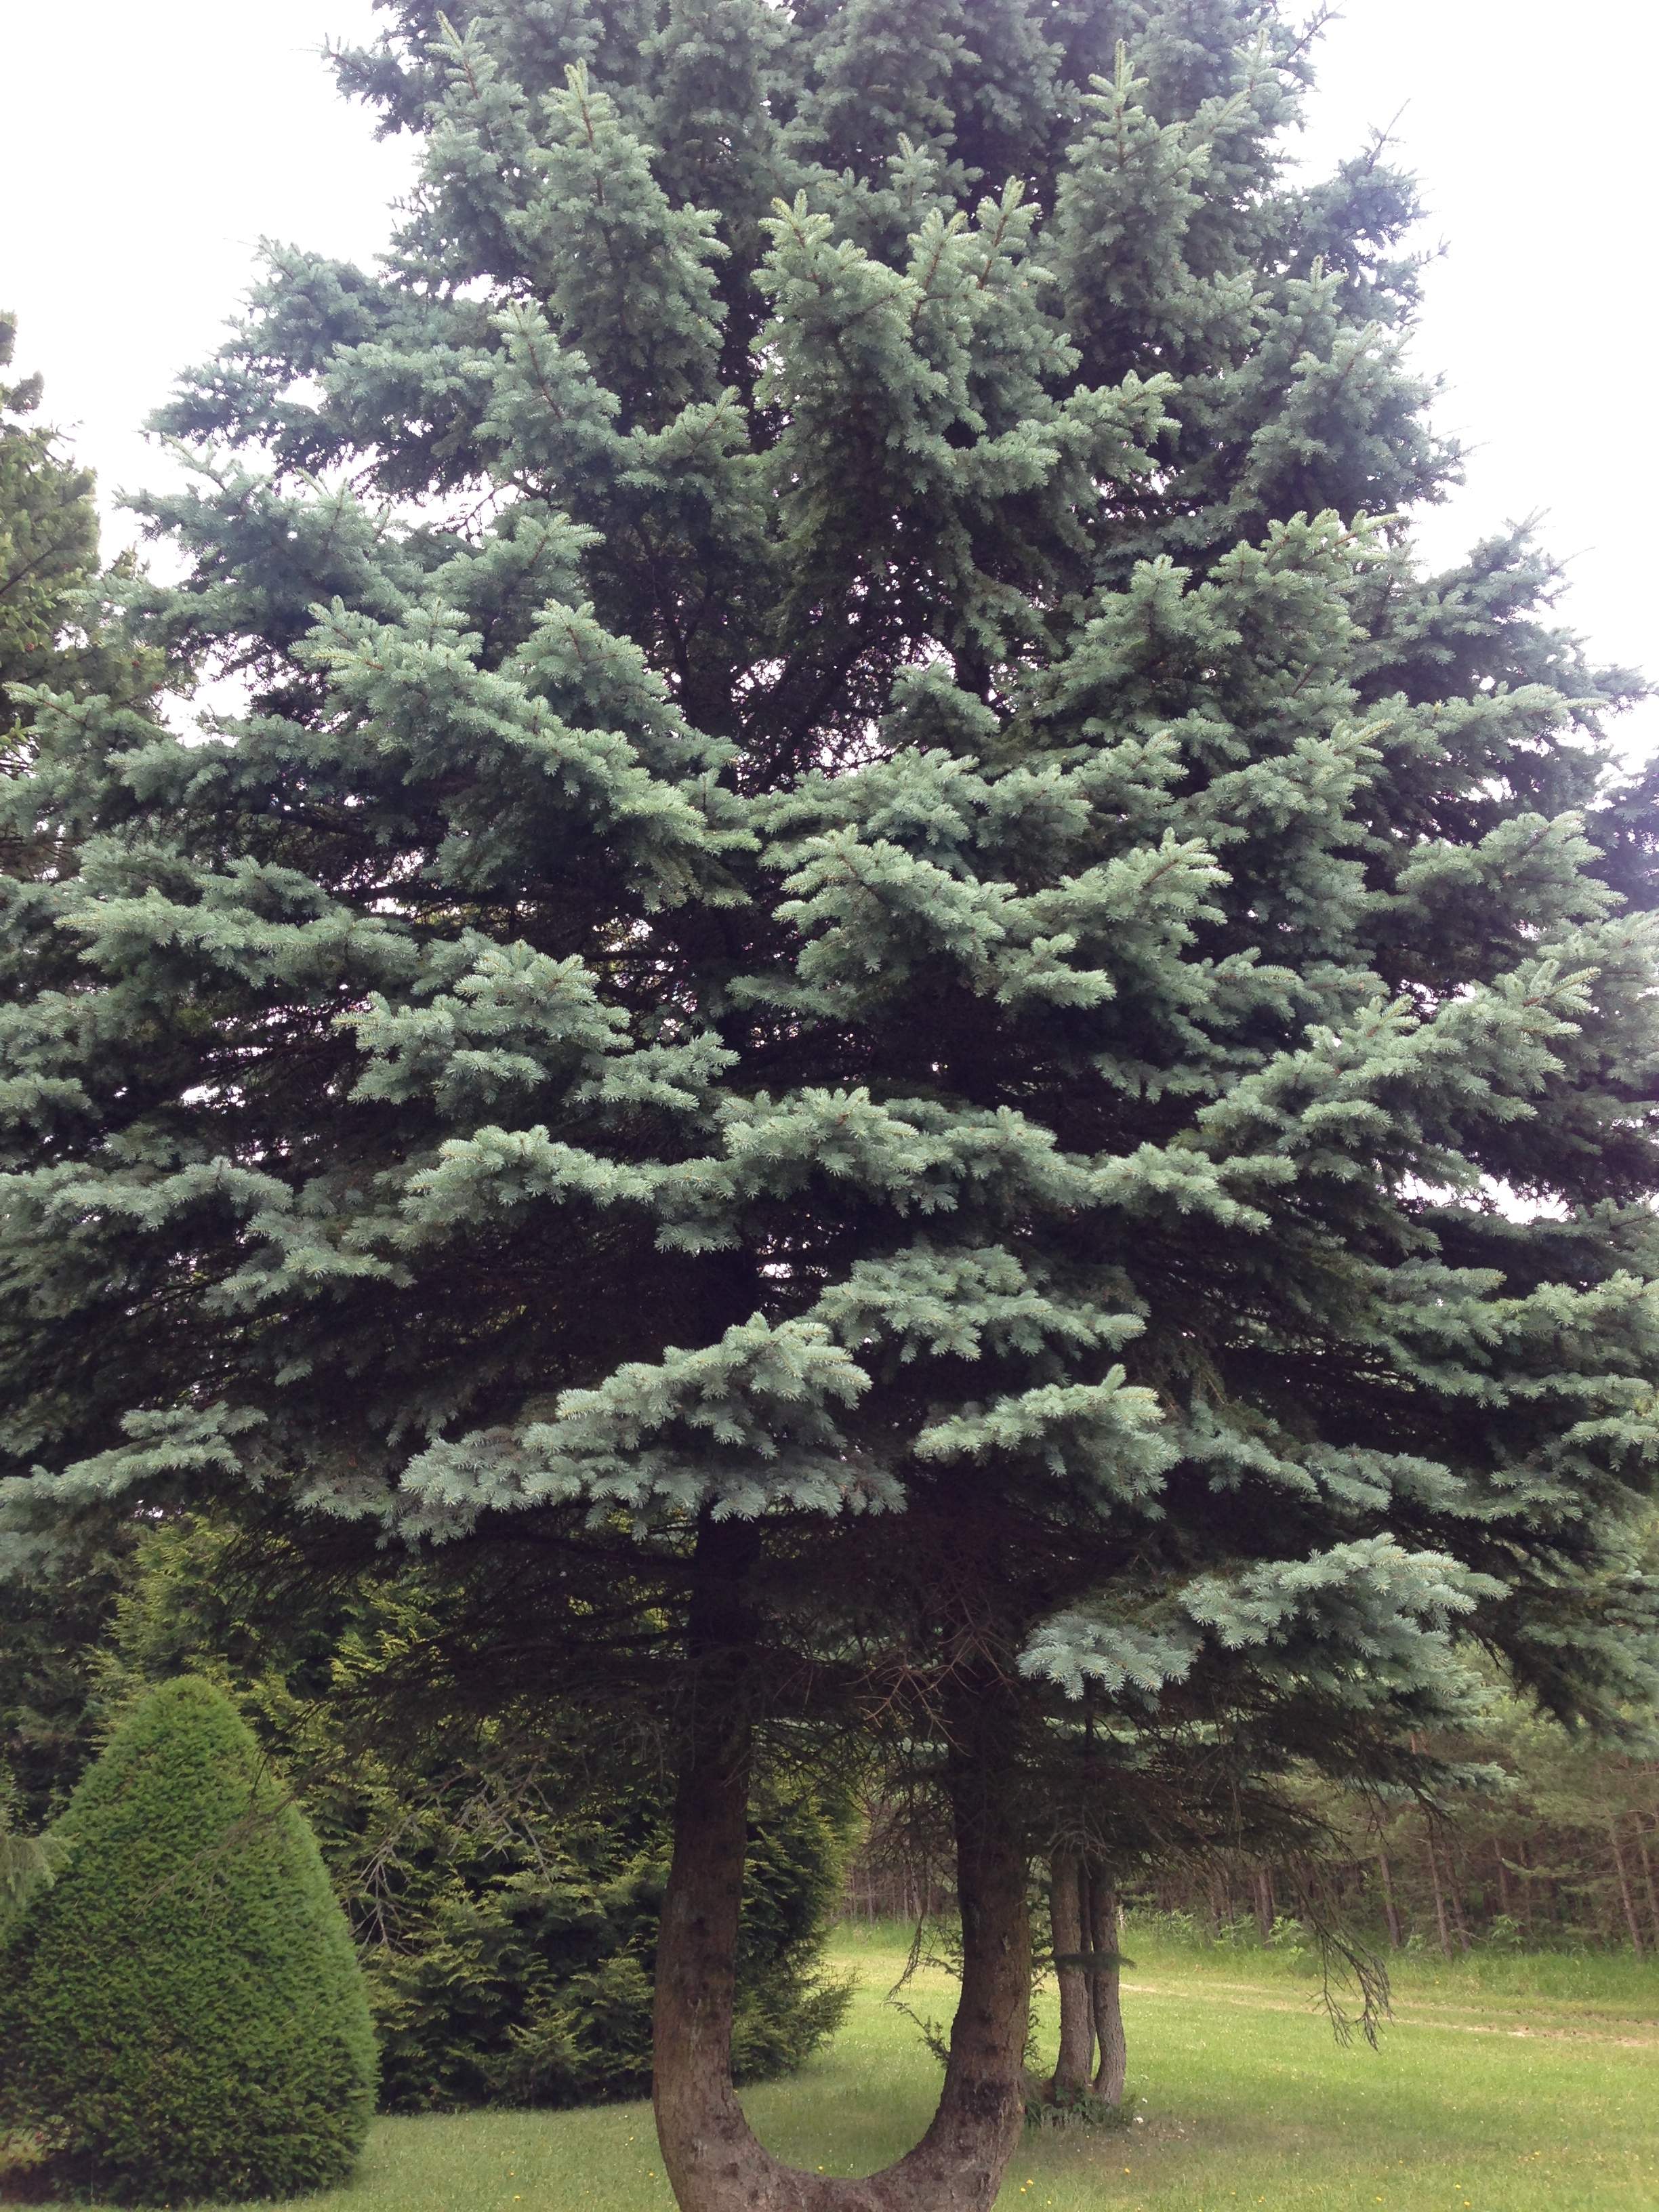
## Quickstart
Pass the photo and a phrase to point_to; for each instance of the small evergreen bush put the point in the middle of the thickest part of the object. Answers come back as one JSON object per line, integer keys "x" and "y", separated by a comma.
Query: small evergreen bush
{"x": 181, "y": 2013}
{"x": 520, "y": 1971}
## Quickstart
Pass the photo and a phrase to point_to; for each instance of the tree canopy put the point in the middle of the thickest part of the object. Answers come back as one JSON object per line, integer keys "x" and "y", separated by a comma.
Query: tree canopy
{"x": 874, "y": 985}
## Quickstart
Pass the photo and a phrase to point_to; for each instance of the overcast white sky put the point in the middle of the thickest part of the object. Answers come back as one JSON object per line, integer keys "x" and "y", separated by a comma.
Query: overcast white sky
{"x": 146, "y": 148}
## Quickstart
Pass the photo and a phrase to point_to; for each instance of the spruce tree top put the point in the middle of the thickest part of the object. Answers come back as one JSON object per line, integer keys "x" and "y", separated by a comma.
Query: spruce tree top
{"x": 860, "y": 878}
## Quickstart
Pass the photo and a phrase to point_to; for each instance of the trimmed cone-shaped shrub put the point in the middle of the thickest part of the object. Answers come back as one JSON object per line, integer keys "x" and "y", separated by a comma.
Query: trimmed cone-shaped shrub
{"x": 181, "y": 2011}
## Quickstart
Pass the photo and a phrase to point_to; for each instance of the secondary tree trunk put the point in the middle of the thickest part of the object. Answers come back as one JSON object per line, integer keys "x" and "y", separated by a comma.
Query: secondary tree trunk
{"x": 1076, "y": 2028}
{"x": 1625, "y": 1896}
{"x": 1526, "y": 1898}
{"x": 1388, "y": 1911}
{"x": 1266, "y": 1909}
{"x": 1439, "y": 1899}
{"x": 1106, "y": 1986}
{"x": 1647, "y": 1878}
{"x": 714, "y": 2162}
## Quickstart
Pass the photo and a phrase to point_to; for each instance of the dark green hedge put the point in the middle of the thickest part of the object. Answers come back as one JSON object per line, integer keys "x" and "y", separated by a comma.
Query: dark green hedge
{"x": 502, "y": 1875}
{"x": 518, "y": 1969}
{"x": 181, "y": 2011}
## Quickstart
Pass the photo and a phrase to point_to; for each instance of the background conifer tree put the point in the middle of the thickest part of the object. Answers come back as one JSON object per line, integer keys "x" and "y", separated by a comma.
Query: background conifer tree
{"x": 48, "y": 551}
{"x": 50, "y": 631}
{"x": 869, "y": 953}
{"x": 48, "y": 535}
{"x": 501, "y": 1868}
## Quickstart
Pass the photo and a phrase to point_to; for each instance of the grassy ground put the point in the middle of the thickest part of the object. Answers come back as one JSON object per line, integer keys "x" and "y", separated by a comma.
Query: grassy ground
{"x": 1511, "y": 2085}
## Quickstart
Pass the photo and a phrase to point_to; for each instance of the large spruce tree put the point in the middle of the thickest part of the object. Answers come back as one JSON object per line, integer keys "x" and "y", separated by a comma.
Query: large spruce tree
{"x": 873, "y": 984}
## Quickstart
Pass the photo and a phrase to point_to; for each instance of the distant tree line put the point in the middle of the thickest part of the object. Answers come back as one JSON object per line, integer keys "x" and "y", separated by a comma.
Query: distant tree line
{"x": 1551, "y": 1843}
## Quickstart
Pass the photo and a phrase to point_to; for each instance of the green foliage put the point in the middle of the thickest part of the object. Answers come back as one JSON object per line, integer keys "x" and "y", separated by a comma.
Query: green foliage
{"x": 180, "y": 2011}
{"x": 518, "y": 1969}
{"x": 49, "y": 1708}
{"x": 54, "y": 631}
{"x": 502, "y": 1880}
{"x": 1552, "y": 1842}
{"x": 48, "y": 537}
{"x": 1534, "y": 1838}
{"x": 26, "y": 1861}
{"x": 862, "y": 886}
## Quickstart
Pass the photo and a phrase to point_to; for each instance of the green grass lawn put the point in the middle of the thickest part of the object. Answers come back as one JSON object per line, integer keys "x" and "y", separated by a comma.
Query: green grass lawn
{"x": 1504, "y": 2085}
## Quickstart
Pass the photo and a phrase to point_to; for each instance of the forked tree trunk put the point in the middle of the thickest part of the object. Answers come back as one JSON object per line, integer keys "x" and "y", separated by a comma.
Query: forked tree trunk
{"x": 1077, "y": 2025}
{"x": 714, "y": 2160}
{"x": 1106, "y": 1987}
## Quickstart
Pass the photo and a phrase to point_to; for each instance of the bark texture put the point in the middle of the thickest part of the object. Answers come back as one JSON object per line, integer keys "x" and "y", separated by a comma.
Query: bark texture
{"x": 1105, "y": 1987}
{"x": 1076, "y": 2029}
{"x": 714, "y": 2160}
{"x": 1084, "y": 1913}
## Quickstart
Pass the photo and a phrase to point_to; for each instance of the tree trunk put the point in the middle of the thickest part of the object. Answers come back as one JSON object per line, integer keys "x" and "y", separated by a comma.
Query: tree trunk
{"x": 1105, "y": 1985}
{"x": 1439, "y": 1899}
{"x": 1527, "y": 1898}
{"x": 1388, "y": 1911}
{"x": 1625, "y": 1896}
{"x": 1077, "y": 2030}
{"x": 1647, "y": 1877}
{"x": 1265, "y": 1908}
{"x": 714, "y": 2160}
{"x": 1459, "y": 1921}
